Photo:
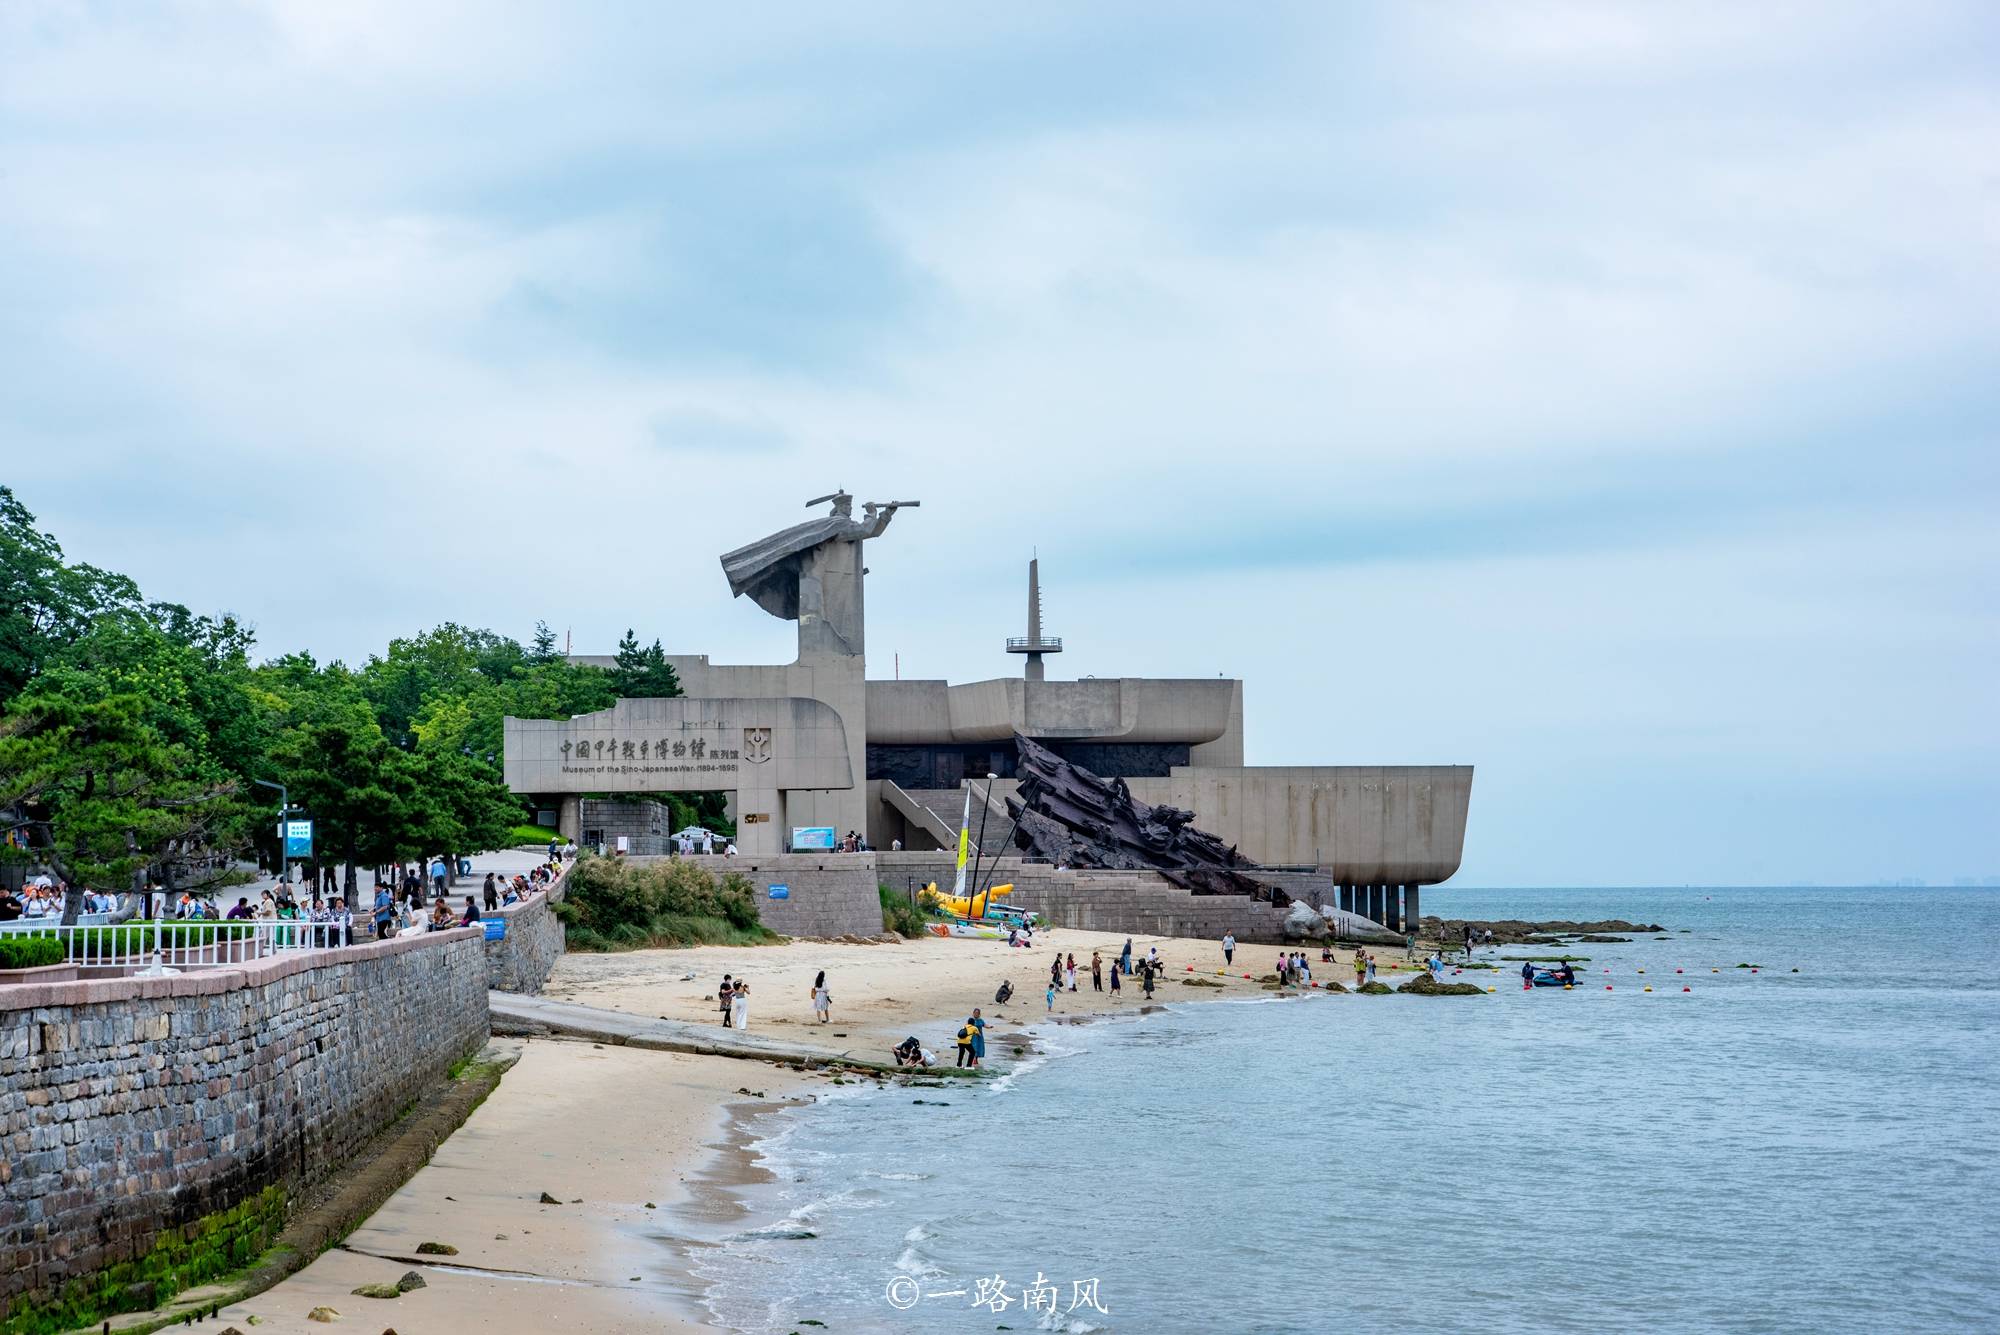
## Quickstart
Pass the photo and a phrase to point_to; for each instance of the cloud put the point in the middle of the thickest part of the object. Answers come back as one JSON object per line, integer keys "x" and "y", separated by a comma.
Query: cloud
{"x": 1312, "y": 341}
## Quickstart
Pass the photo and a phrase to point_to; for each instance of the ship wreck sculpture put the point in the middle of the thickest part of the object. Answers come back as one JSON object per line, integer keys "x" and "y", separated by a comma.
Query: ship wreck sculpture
{"x": 1073, "y": 818}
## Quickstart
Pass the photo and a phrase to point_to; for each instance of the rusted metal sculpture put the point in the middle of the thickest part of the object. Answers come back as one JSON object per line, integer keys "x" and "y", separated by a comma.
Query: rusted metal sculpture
{"x": 1075, "y": 819}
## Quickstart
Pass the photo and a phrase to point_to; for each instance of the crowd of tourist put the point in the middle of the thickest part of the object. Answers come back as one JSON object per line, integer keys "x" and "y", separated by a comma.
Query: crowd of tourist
{"x": 404, "y": 901}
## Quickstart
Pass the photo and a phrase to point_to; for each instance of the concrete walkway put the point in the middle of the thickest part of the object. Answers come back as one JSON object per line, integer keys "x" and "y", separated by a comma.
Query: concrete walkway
{"x": 515, "y": 1013}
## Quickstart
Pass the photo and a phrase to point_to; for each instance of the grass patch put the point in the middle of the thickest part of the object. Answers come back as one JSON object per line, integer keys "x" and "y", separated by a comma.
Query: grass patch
{"x": 532, "y": 834}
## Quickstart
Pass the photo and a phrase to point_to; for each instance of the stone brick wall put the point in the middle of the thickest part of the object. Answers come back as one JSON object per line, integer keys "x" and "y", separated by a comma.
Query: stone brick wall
{"x": 522, "y": 960}
{"x": 830, "y": 894}
{"x": 130, "y": 1109}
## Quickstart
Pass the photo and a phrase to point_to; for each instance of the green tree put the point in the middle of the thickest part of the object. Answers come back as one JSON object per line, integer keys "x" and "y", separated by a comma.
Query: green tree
{"x": 543, "y": 650}
{"x": 643, "y": 674}
{"x": 46, "y": 604}
{"x": 96, "y": 792}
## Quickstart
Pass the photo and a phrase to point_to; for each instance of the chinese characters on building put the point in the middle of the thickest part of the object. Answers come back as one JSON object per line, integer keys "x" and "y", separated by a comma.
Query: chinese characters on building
{"x": 646, "y": 755}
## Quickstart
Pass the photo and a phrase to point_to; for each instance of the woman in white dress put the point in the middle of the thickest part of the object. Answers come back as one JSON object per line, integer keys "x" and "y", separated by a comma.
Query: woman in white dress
{"x": 739, "y": 1006}
{"x": 822, "y": 999}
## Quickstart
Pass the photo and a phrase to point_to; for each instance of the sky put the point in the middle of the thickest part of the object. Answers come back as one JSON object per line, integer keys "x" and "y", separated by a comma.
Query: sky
{"x": 1603, "y": 395}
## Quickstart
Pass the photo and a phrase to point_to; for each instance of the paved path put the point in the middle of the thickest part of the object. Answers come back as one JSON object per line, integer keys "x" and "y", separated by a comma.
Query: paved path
{"x": 512, "y": 1010}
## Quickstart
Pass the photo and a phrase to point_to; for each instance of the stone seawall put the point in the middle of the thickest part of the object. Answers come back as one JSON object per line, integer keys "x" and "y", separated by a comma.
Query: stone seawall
{"x": 522, "y": 960}
{"x": 826, "y": 894}
{"x": 138, "y": 1115}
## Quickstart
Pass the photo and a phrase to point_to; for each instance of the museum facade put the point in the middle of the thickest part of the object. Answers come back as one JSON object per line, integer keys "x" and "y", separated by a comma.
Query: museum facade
{"x": 813, "y": 746}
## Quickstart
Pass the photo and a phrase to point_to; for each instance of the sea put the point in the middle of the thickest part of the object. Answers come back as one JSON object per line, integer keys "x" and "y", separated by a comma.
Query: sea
{"x": 1809, "y": 1146}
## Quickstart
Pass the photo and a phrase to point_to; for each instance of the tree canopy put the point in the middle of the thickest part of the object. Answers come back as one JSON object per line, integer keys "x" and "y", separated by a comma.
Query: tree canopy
{"x": 133, "y": 734}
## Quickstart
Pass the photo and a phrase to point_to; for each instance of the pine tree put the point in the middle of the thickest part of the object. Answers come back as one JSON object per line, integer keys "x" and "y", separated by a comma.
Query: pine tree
{"x": 628, "y": 666}
{"x": 544, "y": 648}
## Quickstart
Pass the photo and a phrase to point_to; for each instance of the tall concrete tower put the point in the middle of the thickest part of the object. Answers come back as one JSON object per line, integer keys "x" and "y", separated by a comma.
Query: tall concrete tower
{"x": 1035, "y": 645}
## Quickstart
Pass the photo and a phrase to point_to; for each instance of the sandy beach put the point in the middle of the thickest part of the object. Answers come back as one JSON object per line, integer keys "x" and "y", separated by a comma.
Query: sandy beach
{"x": 643, "y": 1147}
{"x": 882, "y": 992}
{"x": 608, "y": 1131}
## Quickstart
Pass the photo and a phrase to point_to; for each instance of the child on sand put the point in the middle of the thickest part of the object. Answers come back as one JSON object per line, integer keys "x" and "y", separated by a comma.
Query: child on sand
{"x": 1052, "y": 996}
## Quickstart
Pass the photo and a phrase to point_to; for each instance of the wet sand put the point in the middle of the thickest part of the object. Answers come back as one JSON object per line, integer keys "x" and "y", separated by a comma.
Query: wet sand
{"x": 605, "y": 1130}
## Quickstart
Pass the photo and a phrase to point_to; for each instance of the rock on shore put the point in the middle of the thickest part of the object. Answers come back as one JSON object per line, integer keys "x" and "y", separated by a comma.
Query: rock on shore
{"x": 1516, "y": 932}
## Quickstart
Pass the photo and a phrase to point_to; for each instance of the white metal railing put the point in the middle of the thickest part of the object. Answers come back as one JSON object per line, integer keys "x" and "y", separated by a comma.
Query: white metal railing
{"x": 181, "y": 944}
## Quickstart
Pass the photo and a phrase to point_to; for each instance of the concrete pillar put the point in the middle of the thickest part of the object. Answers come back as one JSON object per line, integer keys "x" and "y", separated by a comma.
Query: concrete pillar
{"x": 1392, "y": 908}
{"x": 1368, "y": 909}
{"x": 1347, "y": 897}
{"x": 569, "y": 817}
{"x": 1410, "y": 913}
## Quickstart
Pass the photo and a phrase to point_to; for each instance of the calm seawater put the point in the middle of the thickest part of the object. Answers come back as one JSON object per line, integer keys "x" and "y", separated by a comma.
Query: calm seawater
{"x": 1810, "y": 1151}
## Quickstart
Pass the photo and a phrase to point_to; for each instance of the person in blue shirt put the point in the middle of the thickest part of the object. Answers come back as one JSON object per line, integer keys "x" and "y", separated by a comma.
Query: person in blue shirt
{"x": 437, "y": 876}
{"x": 385, "y": 911}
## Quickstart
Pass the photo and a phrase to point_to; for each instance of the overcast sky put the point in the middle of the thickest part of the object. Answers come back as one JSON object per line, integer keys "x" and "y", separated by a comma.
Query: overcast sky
{"x": 1602, "y": 395}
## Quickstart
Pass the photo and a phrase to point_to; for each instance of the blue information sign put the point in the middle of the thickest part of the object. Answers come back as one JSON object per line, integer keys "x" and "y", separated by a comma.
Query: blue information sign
{"x": 781, "y": 892}
{"x": 496, "y": 928}
{"x": 298, "y": 838}
{"x": 817, "y": 837}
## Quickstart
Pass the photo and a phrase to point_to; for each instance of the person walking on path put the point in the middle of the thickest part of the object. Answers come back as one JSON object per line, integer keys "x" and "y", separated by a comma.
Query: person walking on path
{"x": 978, "y": 1028}
{"x": 492, "y": 889}
{"x": 1096, "y": 971}
{"x": 739, "y": 1005}
{"x": 1229, "y": 947}
{"x": 822, "y": 999}
{"x": 385, "y": 912}
{"x": 726, "y": 996}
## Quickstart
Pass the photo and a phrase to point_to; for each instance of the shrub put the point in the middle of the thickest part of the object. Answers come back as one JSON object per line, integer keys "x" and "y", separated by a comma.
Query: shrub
{"x": 29, "y": 952}
{"x": 613, "y": 904}
{"x": 899, "y": 915}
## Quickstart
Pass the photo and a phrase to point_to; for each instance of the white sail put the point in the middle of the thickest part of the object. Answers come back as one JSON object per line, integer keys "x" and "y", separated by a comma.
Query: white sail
{"x": 964, "y": 843}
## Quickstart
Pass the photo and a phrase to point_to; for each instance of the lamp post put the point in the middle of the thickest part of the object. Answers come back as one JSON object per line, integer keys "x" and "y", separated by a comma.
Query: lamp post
{"x": 284, "y": 807}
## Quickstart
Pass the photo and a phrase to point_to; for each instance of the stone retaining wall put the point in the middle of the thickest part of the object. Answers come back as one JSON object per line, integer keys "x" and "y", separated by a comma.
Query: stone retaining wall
{"x": 827, "y": 894}
{"x": 522, "y": 960}
{"x": 135, "y": 1113}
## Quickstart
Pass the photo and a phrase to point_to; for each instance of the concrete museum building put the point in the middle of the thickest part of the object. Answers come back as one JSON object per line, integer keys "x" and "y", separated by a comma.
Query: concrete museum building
{"x": 814, "y": 745}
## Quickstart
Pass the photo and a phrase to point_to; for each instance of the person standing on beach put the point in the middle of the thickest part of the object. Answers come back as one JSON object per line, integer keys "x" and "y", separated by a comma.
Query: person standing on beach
{"x": 1051, "y": 998}
{"x": 1096, "y": 971}
{"x": 1360, "y": 966}
{"x": 1055, "y": 971}
{"x": 965, "y": 1045}
{"x": 822, "y": 999}
{"x": 1069, "y": 972}
{"x": 727, "y": 997}
{"x": 1229, "y": 947}
{"x": 978, "y": 1028}
{"x": 1125, "y": 958}
{"x": 1114, "y": 980}
{"x": 739, "y": 1005}
{"x": 1146, "y": 974}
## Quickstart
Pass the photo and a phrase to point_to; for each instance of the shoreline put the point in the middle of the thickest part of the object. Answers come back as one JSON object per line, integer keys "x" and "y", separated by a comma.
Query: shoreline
{"x": 655, "y": 1156}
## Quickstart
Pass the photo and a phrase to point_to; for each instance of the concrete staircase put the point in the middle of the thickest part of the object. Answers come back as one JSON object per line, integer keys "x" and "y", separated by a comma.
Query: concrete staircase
{"x": 939, "y": 811}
